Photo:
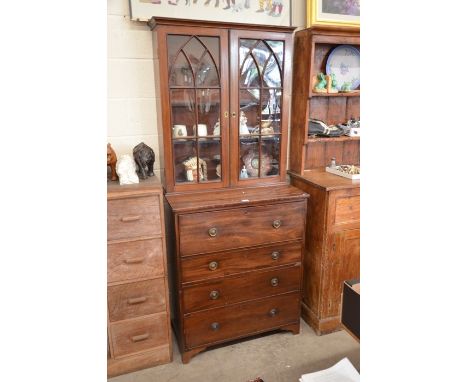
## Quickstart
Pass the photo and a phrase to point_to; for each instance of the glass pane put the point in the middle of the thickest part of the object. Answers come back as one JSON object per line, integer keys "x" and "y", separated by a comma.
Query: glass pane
{"x": 210, "y": 155}
{"x": 278, "y": 49}
{"x": 261, "y": 53}
{"x": 271, "y": 112}
{"x": 270, "y": 155}
{"x": 206, "y": 74}
{"x": 194, "y": 51}
{"x": 249, "y": 111}
{"x": 245, "y": 46}
{"x": 249, "y": 160}
{"x": 181, "y": 72}
{"x": 249, "y": 74}
{"x": 212, "y": 44}
{"x": 183, "y": 151}
{"x": 182, "y": 112}
{"x": 272, "y": 74}
{"x": 209, "y": 111}
{"x": 174, "y": 44}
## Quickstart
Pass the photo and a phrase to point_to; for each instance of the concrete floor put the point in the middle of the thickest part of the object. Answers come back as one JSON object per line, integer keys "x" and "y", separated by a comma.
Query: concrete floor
{"x": 278, "y": 357}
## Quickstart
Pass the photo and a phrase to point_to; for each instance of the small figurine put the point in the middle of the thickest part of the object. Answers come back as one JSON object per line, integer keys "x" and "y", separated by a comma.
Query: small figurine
{"x": 346, "y": 87}
{"x": 111, "y": 161}
{"x": 333, "y": 163}
{"x": 320, "y": 83}
{"x": 144, "y": 158}
{"x": 126, "y": 169}
{"x": 218, "y": 170}
{"x": 243, "y": 173}
{"x": 217, "y": 128}
{"x": 243, "y": 129}
{"x": 332, "y": 86}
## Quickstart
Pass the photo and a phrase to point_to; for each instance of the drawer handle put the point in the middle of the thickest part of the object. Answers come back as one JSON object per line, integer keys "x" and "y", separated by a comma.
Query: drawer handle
{"x": 213, "y": 265}
{"x": 212, "y": 232}
{"x": 137, "y": 300}
{"x": 138, "y": 260}
{"x": 273, "y": 312}
{"x": 214, "y": 294}
{"x": 127, "y": 219}
{"x": 274, "y": 281}
{"x": 140, "y": 337}
{"x": 276, "y": 223}
{"x": 215, "y": 326}
{"x": 275, "y": 255}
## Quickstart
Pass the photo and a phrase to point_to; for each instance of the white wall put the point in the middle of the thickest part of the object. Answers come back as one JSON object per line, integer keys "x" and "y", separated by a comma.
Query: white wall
{"x": 132, "y": 115}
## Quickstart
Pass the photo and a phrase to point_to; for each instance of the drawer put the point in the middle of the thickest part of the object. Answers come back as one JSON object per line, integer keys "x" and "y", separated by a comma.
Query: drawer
{"x": 134, "y": 259}
{"x": 248, "y": 286}
{"x": 222, "y": 264}
{"x": 139, "y": 334}
{"x": 136, "y": 299}
{"x": 241, "y": 227}
{"x": 222, "y": 324}
{"x": 133, "y": 217}
{"x": 347, "y": 209}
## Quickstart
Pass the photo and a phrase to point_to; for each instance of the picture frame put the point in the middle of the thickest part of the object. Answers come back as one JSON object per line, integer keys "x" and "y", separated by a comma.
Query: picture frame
{"x": 263, "y": 12}
{"x": 333, "y": 13}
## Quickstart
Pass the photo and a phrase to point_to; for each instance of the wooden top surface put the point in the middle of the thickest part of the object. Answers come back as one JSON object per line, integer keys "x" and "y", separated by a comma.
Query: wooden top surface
{"x": 145, "y": 187}
{"x": 185, "y": 202}
{"x": 325, "y": 180}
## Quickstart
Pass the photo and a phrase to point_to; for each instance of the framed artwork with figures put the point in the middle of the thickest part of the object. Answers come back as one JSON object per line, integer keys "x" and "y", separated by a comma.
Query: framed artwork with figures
{"x": 332, "y": 13}
{"x": 265, "y": 12}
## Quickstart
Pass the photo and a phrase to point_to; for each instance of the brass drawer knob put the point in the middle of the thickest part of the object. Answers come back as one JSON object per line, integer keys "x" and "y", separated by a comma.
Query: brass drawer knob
{"x": 273, "y": 312}
{"x": 275, "y": 255}
{"x": 212, "y": 232}
{"x": 213, "y": 265}
{"x": 214, "y": 294}
{"x": 277, "y": 223}
{"x": 274, "y": 281}
{"x": 215, "y": 326}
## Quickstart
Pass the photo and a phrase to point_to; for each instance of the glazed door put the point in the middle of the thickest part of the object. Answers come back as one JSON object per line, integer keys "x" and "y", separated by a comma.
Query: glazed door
{"x": 260, "y": 91}
{"x": 194, "y": 95}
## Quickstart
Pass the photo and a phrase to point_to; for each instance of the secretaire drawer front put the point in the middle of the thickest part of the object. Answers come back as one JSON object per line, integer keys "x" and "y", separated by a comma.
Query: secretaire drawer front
{"x": 133, "y": 217}
{"x": 139, "y": 334}
{"x": 347, "y": 209}
{"x": 240, "y": 227}
{"x": 202, "y": 267}
{"x": 136, "y": 299}
{"x": 134, "y": 259}
{"x": 238, "y": 320}
{"x": 241, "y": 288}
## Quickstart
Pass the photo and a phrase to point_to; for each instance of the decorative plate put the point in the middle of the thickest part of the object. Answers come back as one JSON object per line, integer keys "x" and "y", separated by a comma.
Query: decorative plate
{"x": 344, "y": 63}
{"x": 251, "y": 163}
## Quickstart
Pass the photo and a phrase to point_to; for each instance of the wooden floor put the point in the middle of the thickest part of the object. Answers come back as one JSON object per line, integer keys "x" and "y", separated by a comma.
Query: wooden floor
{"x": 279, "y": 357}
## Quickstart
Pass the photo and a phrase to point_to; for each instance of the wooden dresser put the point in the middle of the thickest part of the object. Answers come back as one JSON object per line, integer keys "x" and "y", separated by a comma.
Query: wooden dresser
{"x": 332, "y": 245}
{"x": 236, "y": 258}
{"x": 137, "y": 292}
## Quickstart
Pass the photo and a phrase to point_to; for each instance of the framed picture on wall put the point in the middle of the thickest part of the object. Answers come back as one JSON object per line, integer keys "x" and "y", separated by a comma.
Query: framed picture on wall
{"x": 265, "y": 12}
{"x": 333, "y": 13}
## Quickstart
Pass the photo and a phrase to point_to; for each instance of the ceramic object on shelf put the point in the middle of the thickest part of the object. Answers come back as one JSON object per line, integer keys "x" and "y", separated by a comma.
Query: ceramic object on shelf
{"x": 252, "y": 162}
{"x": 191, "y": 169}
{"x": 243, "y": 128}
{"x": 126, "y": 170}
{"x": 344, "y": 63}
{"x": 217, "y": 128}
{"x": 179, "y": 131}
{"x": 201, "y": 129}
{"x": 320, "y": 83}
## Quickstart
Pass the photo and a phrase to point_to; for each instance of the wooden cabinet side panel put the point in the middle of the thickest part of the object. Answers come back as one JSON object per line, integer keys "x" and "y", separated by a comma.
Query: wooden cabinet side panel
{"x": 314, "y": 244}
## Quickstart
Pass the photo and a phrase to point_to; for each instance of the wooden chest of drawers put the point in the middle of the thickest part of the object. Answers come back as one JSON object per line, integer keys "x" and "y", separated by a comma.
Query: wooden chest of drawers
{"x": 137, "y": 291}
{"x": 236, "y": 263}
{"x": 332, "y": 245}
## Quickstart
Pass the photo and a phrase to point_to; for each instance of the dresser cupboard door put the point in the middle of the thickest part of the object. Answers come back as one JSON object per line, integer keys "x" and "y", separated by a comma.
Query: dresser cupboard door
{"x": 343, "y": 264}
{"x": 194, "y": 75}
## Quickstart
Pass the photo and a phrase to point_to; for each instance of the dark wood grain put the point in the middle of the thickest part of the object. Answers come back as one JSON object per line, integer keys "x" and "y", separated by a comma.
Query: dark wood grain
{"x": 196, "y": 268}
{"x": 239, "y": 228}
{"x": 240, "y": 320}
{"x": 244, "y": 287}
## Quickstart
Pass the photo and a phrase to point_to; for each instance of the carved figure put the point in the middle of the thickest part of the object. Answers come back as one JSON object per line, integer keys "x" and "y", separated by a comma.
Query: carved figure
{"x": 243, "y": 129}
{"x": 111, "y": 161}
{"x": 144, "y": 158}
{"x": 126, "y": 169}
{"x": 320, "y": 84}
